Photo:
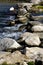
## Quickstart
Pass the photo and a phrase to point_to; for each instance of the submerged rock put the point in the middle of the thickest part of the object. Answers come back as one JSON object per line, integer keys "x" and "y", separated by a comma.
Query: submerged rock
{"x": 8, "y": 43}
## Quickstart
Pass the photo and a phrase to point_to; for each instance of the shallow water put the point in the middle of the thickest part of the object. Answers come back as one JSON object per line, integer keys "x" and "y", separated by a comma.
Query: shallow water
{"x": 9, "y": 31}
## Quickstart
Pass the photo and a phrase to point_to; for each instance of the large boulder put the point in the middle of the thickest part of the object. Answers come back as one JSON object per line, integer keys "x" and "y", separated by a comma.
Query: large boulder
{"x": 31, "y": 39}
{"x": 38, "y": 28}
{"x": 12, "y": 58}
{"x": 7, "y": 43}
{"x": 34, "y": 53}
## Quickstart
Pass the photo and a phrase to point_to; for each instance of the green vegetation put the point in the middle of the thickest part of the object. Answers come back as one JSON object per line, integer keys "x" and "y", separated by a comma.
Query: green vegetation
{"x": 38, "y": 6}
{"x": 31, "y": 63}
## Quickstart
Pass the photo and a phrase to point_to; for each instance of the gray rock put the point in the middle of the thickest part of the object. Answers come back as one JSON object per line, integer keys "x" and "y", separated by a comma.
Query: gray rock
{"x": 38, "y": 28}
{"x": 36, "y": 1}
{"x": 31, "y": 39}
{"x": 8, "y": 43}
{"x": 22, "y": 11}
{"x": 35, "y": 22}
{"x": 40, "y": 34}
{"x": 34, "y": 53}
{"x": 38, "y": 18}
{"x": 28, "y": 5}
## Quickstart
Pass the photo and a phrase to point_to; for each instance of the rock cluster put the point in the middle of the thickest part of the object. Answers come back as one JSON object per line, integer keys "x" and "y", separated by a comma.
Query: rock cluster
{"x": 22, "y": 42}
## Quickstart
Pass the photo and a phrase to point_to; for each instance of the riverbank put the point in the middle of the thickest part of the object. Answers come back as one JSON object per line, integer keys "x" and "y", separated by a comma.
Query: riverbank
{"x": 21, "y": 38}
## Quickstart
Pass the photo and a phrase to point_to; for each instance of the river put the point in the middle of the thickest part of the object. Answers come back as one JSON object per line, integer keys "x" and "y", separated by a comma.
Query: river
{"x": 5, "y": 30}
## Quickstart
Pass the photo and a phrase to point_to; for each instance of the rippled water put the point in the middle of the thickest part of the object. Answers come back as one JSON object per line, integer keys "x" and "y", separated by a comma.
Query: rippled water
{"x": 8, "y": 31}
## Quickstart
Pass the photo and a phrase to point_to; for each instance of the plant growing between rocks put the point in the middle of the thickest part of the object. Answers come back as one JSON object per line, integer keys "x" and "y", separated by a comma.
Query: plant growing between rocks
{"x": 31, "y": 63}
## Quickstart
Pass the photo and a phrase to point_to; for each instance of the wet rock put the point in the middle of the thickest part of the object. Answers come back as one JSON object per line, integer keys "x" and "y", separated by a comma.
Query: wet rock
{"x": 38, "y": 28}
{"x": 22, "y": 11}
{"x": 34, "y": 53}
{"x": 28, "y": 5}
{"x": 31, "y": 39}
{"x": 23, "y": 19}
{"x": 11, "y": 23}
{"x": 8, "y": 43}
